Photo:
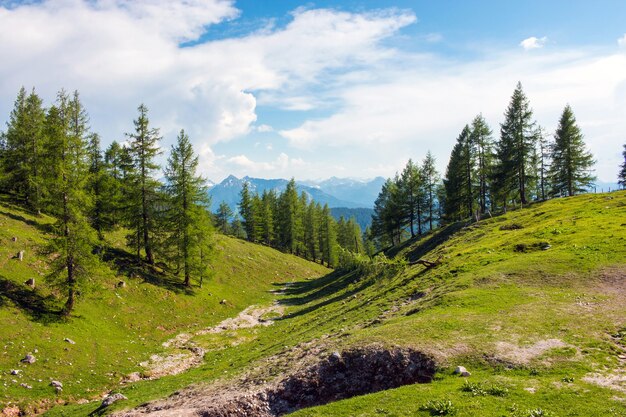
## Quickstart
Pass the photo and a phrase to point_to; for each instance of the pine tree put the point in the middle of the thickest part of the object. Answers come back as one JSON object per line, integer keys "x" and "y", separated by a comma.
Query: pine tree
{"x": 112, "y": 199}
{"x": 311, "y": 228}
{"x": 516, "y": 148}
{"x": 544, "y": 155}
{"x": 267, "y": 217}
{"x": 144, "y": 149}
{"x": 188, "y": 199}
{"x": 431, "y": 181}
{"x": 621, "y": 177}
{"x": 328, "y": 237}
{"x": 99, "y": 187}
{"x": 68, "y": 169}
{"x": 570, "y": 172}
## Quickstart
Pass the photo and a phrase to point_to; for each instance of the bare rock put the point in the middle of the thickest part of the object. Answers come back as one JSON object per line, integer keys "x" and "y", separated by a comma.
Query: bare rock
{"x": 15, "y": 371}
{"x": 14, "y": 238}
{"x": 29, "y": 359}
{"x": 30, "y": 282}
{"x": 23, "y": 385}
{"x": 111, "y": 398}
{"x": 56, "y": 384}
{"x": 20, "y": 255}
{"x": 460, "y": 370}
{"x": 121, "y": 284}
{"x": 70, "y": 341}
{"x": 223, "y": 302}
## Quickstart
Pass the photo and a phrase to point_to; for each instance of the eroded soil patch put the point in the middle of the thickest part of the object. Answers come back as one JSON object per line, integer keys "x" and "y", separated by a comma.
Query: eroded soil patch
{"x": 337, "y": 376}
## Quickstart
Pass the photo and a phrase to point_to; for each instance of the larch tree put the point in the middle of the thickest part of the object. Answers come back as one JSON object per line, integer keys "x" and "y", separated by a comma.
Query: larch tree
{"x": 482, "y": 142}
{"x": 68, "y": 174}
{"x": 431, "y": 181}
{"x": 187, "y": 213}
{"x": 144, "y": 149}
{"x": 572, "y": 163}
{"x": 223, "y": 218}
{"x": 23, "y": 156}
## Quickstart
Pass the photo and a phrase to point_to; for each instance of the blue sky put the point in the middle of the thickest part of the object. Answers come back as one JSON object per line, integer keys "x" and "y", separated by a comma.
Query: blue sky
{"x": 315, "y": 89}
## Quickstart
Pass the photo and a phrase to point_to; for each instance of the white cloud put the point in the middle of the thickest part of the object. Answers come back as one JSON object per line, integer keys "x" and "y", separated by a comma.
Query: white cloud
{"x": 282, "y": 165}
{"x": 622, "y": 41}
{"x": 408, "y": 112}
{"x": 263, "y": 128}
{"x": 533, "y": 43}
{"x": 120, "y": 53}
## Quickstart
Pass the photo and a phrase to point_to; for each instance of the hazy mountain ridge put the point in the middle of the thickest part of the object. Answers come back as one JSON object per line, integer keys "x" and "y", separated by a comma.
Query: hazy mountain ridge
{"x": 336, "y": 192}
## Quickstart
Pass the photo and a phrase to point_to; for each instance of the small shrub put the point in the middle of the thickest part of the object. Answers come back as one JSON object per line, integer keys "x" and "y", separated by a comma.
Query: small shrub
{"x": 511, "y": 226}
{"x": 474, "y": 388}
{"x": 440, "y": 408}
{"x": 497, "y": 391}
{"x": 538, "y": 412}
{"x": 567, "y": 379}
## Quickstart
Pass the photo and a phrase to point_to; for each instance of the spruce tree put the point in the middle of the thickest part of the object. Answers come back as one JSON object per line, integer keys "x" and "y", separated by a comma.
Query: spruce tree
{"x": 570, "y": 172}
{"x": 516, "y": 149}
{"x": 144, "y": 149}
{"x": 311, "y": 226}
{"x": 267, "y": 217}
{"x": 544, "y": 155}
{"x": 187, "y": 214}
{"x": 328, "y": 237}
{"x": 290, "y": 219}
{"x": 621, "y": 177}
{"x": 459, "y": 200}
{"x": 246, "y": 210}
{"x": 68, "y": 175}
{"x": 413, "y": 196}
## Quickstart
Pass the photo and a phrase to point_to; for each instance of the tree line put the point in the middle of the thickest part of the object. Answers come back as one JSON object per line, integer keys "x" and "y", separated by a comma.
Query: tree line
{"x": 292, "y": 223}
{"x": 485, "y": 175}
{"x": 51, "y": 162}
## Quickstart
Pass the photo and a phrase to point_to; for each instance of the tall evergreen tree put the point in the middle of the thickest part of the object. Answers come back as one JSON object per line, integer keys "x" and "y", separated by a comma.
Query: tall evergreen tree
{"x": 144, "y": 149}
{"x": 311, "y": 226}
{"x": 544, "y": 155}
{"x": 516, "y": 149}
{"x": 188, "y": 200}
{"x": 246, "y": 210}
{"x": 267, "y": 217}
{"x": 482, "y": 145}
{"x": 621, "y": 177}
{"x": 23, "y": 156}
{"x": 289, "y": 219}
{"x": 459, "y": 201}
{"x": 328, "y": 237}
{"x": 68, "y": 169}
{"x": 223, "y": 218}
{"x": 413, "y": 196}
{"x": 431, "y": 181}
{"x": 570, "y": 172}
{"x": 112, "y": 196}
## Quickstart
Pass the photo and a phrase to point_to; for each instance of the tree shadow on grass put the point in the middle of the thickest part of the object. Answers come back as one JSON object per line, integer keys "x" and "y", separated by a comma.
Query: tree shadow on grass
{"x": 126, "y": 263}
{"x": 38, "y": 307}
{"x": 45, "y": 228}
{"x": 310, "y": 291}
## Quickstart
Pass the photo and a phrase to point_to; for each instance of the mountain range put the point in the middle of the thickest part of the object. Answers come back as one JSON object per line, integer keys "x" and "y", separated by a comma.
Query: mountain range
{"x": 336, "y": 192}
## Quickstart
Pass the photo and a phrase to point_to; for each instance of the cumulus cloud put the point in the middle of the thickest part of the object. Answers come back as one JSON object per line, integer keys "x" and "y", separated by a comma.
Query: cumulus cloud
{"x": 120, "y": 53}
{"x": 533, "y": 43}
{"x": 280, "y": 166}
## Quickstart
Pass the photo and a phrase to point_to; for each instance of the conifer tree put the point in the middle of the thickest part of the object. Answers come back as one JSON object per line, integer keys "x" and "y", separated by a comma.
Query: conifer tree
{"x": 113, "y": 202}
{"x": 621, "y": 177}
{"x": 23, "y": 156}
{"x": 413, "y": 196}
{"x": 544, "y": 155}
{"x": 570, "y": 172}
{"x": 431, "y": 181}
{"x": 68, "y": 173}
{"x": 267, "y": 217}
{"x": 246, "y": 210}
{"x": 223, "y": 218}
{"x": 328, "y": 237}
{"x": 516, "y": 149}
{"x": 290, "y": 220}
{"x": 459, "y": 200}
{"x": 311, "y": 226}
{"x": 99, "y": 186}
{"x": 144, "y": 149}
{"x": 482, "y": 145}
{"x": 187, "y": 214}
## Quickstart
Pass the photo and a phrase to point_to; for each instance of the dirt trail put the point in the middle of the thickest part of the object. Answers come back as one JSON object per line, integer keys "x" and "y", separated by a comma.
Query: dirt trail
{"x": 185, "y": 354}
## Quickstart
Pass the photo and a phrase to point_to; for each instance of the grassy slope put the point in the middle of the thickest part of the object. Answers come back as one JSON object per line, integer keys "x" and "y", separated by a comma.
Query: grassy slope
{"x": 488, "y": 306}
{"x": 114, "y": 328}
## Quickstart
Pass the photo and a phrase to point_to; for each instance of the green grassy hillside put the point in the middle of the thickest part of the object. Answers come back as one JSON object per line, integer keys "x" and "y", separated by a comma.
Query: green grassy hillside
{"x": 114, "y": 329}
{"x": 533, "y": 303}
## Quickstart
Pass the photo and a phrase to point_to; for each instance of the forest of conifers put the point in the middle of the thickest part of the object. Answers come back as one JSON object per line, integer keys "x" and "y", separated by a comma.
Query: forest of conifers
{"x": 51, "y": 162}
